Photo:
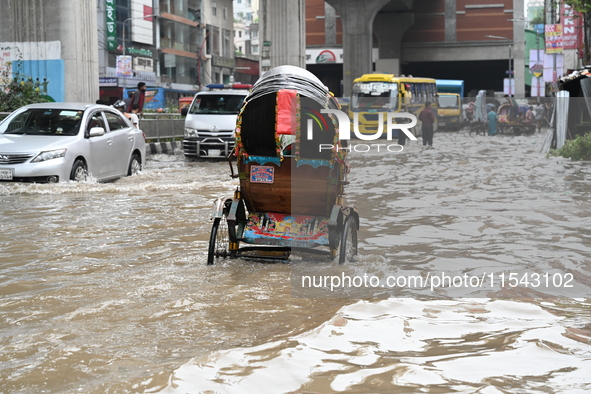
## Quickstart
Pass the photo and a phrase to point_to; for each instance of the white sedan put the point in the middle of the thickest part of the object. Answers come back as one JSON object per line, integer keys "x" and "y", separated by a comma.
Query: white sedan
{"x": 57, "y": 142}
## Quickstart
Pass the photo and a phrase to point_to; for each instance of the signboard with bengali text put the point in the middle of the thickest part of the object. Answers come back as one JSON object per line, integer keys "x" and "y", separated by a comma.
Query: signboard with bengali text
{"x": 110, "y": 17}
{"x": 572, "y": 37}
{"x": 553, "y": 38}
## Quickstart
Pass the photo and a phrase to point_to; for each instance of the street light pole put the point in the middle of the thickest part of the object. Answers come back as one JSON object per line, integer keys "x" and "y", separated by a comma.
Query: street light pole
{"x": 128, "y": 19}
{"x": 124, "y": 38}
{"x": 510, "y": 60}
{"x": 510, "y": 67}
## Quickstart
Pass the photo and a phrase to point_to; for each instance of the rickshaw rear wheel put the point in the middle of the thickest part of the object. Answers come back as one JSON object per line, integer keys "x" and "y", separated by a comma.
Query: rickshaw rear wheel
{"x": 219, "y": 240}
{"x": 348, "y": 246}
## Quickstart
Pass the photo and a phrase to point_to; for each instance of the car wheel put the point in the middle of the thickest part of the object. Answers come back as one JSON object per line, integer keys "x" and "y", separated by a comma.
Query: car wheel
{"x": 79, "y": 172}
{"x": 135, "y": 165}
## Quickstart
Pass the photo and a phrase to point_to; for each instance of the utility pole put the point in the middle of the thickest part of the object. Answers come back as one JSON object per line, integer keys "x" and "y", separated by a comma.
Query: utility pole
{"x": 553, "y": 22}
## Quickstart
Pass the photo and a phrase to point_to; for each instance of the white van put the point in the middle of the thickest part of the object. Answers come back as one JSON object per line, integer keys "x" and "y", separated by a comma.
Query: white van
{"x": 211, "y": 120}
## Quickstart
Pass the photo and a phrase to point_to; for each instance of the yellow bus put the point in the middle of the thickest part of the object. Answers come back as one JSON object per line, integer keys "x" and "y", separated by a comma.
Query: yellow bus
{"x": 375, "y": 93}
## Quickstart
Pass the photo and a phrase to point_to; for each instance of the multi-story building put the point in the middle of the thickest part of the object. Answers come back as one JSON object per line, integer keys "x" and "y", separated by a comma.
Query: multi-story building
{"x": 241, "y": 38}
{"x": 246, "y": 11}
{"x": 218, "y": 56}
{"x": 179, "y": 44}
{"x": 246, "y": 41}
{"x": 180, "y": 41}
{"x": 255, "y": 46}
{"x": 126, "y": 28}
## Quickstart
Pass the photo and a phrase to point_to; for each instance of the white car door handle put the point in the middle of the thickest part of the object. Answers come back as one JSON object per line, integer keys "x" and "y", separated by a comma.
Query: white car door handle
{"x": 130, "y": 137}
{"x": 110, "y": 141}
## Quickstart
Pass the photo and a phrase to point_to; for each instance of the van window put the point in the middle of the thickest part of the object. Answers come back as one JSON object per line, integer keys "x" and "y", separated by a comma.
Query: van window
{"x": 217, "y": 104}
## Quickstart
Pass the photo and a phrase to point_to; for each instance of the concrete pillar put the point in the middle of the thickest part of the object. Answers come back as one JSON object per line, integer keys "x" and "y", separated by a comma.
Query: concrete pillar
{"x": 519, "y": 48}
{"x": 389, "y": 29}
{"x": 283, "y": 24}
{"x": 357, "y": 18}
{"x": 330, "y": 25}
{"x": 450, "y": 20}
{"x": 58, "y": 38}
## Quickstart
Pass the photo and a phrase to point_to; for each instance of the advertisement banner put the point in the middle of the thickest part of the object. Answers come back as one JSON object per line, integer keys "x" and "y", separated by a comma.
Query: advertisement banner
{"x": 571, "y": 27}
{"x": 111, "y": 25}
{"x": 124, "y": 66}
{"x": 553, "y": 38}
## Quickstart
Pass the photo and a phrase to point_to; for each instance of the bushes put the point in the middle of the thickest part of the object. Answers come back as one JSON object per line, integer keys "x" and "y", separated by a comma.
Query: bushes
{"x": 577, "y": 149}
{"x": 17, "y": 90}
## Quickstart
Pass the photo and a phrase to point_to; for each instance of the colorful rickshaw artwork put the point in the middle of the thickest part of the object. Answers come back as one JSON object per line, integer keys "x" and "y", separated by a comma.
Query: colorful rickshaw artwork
{"x": 291, "y": 169}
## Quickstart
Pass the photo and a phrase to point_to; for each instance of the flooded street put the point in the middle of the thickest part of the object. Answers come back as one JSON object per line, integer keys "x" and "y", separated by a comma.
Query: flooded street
{"x": 104, "y": 287}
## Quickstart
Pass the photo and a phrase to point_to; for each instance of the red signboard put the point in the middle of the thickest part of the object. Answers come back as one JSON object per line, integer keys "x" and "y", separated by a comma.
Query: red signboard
{"x": 571, "y": 27}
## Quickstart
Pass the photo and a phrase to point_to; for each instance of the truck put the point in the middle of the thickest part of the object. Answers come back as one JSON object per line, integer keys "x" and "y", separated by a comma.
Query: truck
{"x": 210, "y": 121}
{"x": 449, "y": 104}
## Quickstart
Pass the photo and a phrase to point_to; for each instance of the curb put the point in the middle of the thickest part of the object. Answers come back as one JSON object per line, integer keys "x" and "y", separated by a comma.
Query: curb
{"x": 162, "y": 148}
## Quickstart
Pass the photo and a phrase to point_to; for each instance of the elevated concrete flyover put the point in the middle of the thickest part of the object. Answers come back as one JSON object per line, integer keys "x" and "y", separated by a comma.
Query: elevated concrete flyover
{"x": 419, "y": 32}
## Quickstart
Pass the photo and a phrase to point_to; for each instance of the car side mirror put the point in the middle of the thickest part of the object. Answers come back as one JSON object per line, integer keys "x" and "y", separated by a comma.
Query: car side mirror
{"x": 96, "y": 132}
{"x": 184, "y": 111}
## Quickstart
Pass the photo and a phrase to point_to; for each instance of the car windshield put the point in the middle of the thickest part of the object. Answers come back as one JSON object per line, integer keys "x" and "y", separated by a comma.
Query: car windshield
{"x": 448, "y": 101}
{"x": 377, "y": 96}
{"x": 44, "y": 121}
{"x": 217, "y": 104}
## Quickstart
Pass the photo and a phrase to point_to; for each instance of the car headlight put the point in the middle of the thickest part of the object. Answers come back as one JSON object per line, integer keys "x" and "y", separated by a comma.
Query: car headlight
{"x": 48, "y": 155}
{"x": 191, "y": 133}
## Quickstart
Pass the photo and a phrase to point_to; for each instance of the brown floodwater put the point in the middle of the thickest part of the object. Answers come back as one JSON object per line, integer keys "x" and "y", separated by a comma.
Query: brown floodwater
{"x": 104, "y": 287}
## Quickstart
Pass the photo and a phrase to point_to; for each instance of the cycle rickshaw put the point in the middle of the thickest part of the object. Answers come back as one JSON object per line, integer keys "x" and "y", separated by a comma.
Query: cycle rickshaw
{"x": 291, "y": 167}
{"x": 513, "y": 125}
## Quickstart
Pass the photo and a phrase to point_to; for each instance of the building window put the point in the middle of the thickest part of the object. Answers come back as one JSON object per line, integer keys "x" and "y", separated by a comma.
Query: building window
{"x": 254, "y": 34}
{"x": 228, "y": 44}
{"x": 255, "y": 49}
{"x": 225, "y": 13}
{"x": 213, "y": 45}
{"x": 239, "y": 33}
{"x": 214, "y": 9}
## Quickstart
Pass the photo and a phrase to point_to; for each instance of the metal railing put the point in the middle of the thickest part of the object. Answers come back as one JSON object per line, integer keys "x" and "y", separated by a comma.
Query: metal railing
{"x": 158, "y": 127}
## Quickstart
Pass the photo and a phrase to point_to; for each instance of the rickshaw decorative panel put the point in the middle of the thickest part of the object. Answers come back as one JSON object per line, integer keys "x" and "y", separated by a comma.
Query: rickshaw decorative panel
{"x": 262, "y": 174}
{"x": 286, "y": 230}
